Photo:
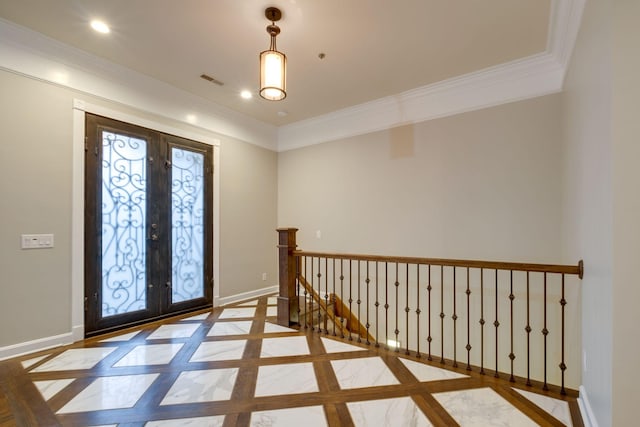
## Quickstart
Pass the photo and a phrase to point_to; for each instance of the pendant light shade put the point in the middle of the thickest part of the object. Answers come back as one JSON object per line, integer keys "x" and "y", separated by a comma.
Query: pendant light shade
{"x": 273, "y": 64}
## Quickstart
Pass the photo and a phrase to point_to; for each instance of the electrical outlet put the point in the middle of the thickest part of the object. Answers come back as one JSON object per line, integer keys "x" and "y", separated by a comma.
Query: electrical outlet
{"x": 318, "y": 234}
{"x": 264, "y": 277}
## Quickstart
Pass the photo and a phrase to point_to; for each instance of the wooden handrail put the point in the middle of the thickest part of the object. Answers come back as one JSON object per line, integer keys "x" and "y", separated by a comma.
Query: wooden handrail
{"x": 490, "y": 265}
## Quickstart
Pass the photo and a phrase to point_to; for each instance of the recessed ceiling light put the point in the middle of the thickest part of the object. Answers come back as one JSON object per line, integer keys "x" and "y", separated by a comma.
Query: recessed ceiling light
{"x": 191, "y": 118}
{"x": 100, "y": 26}
{"x": 246, "y": 94}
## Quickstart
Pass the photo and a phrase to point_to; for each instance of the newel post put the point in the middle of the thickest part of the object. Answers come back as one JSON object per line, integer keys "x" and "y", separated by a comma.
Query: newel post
{"x": 287, "y": 300}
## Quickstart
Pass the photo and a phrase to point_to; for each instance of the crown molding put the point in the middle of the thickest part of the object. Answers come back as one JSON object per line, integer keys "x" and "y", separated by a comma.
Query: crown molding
{"x": 522, "y": 79}
{"x": 31, "y": 54}
{"x": 565, "y": 19}
{"x": 537, "y": 75}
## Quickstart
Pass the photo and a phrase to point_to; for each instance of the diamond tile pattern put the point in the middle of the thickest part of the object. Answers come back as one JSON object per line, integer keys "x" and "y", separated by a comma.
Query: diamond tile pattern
{"x": 241, "y": 327}
{"x": 123, "y": 337}
{"x": 232, "y": 313}
{"x": 219, "y": 350}
{"x": 286, "y": 346}
{"x": 50, "y": 388}
{"x": 429, "y": 373}
{"x": 286, "y": 379}
{"x": 364, "y": 372}
{"x": 215, "y": 421}
{"x": 310, "y": 416}
{"x": 239, "y": 369}
{"x": 387, "y": 412}
{"x": 482, "y": 407}
{"x": 151, "y": 354}
{"x": 202, "y": 386}
{"x": 110, "y": 393}
{"x": 75, "y": 358}
{"x": 184, "y": 330}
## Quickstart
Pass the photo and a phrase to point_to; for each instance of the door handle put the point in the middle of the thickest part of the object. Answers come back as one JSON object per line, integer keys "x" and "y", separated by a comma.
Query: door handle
{"x": 154, "y": 236}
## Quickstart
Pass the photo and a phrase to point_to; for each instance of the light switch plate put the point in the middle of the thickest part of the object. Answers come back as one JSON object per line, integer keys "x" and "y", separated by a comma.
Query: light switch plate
{"x": 36, "y": 241}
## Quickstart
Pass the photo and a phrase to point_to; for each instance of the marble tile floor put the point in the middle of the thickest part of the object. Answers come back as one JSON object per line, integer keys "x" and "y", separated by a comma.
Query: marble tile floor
{"x": 234, "y": 367}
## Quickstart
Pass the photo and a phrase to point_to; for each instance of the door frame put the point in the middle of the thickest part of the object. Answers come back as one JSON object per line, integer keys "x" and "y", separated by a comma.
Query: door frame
{"x": 80, "y": 107}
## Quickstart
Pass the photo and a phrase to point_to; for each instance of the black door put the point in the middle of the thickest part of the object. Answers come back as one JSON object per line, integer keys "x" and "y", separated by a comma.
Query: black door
{"x": 148, "y": 225}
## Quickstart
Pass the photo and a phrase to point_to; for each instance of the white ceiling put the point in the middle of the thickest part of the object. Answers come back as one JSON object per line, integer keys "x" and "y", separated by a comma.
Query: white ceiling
{"x": 373, "y": 48}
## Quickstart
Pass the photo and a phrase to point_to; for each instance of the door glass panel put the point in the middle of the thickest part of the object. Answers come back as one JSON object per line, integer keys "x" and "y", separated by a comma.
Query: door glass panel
{"x": 124, "y": 184}
{"x": 187, "y": 218}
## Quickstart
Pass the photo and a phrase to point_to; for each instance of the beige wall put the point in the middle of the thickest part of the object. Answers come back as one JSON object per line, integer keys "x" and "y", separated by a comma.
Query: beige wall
{"x": 35, "y": 189}
{"x": 626, "y": 211}
{"x": 480, "y": 185}
{"x": 588, "y": 221}
{"x": 36, "y": 123}
{"x": 248, "y": 218}
{"x": 602, "y": 203}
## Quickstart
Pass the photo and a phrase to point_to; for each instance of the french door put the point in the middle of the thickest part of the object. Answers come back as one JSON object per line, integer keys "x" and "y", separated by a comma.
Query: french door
{"x": 148, "y": 225}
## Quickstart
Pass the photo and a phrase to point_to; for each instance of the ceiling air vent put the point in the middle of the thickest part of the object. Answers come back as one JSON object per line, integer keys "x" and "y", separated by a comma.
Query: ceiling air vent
{"x": 211, "y": 79}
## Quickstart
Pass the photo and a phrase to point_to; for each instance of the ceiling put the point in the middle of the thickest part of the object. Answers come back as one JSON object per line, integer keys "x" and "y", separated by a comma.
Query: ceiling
{"x": 372, "y": 50}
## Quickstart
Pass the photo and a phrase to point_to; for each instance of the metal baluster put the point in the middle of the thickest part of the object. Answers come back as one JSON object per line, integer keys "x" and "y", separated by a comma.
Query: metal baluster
{"x": 320, "y": 294}
{"x": 311, "y": 299}
{"x": 429, "y": 338}
{"x": 333, "y": 269}
{"x": 528, "y": 330}
{"x": 496, "y": 323}
{"x": 406, "y": 310}
{"x": 358, "y": 302}
{"x": 305, "y": 295}
{"x": 367, "y": 304}
{"x": 377, "y": 307}
{"x": 455, "y": 321}
{"x": 442, "y": 314}
{"x": 545, "y": 332}
{"x": 468, "y": 347}
{"x": 512, "y": 356}
{"x": 350, "y": 300}
{"x": 397, "y": 332}
{"x": 298, "y": 272}
{"x": 563, "y": 366}
{"x": 344, "y": 322}
{"x": 418, "y": 310}
{"x": 326, "y": 294}
{"x": 386, "y": 305}
{"x": 482, "y": 322}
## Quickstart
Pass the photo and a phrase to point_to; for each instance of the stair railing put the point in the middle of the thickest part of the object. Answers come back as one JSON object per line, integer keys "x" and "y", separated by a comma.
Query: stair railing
{"x": 510, "y": 318}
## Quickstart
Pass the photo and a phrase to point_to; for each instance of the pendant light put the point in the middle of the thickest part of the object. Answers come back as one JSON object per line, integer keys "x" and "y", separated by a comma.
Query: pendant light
{"x": 273, "y": 64}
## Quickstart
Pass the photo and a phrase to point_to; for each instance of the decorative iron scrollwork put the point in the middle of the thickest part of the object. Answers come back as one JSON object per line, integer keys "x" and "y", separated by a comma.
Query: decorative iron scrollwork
{"x": 187, "y": 213}
{"x": 124, "y": 180}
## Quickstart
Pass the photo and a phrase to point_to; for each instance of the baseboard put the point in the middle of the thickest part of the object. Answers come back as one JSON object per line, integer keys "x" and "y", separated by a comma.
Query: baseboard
{"x": 245, "y": 296}
{"x": 40, "y": 344}
{"x": 77, "y": 333}
{"x": 588, "y": 418}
